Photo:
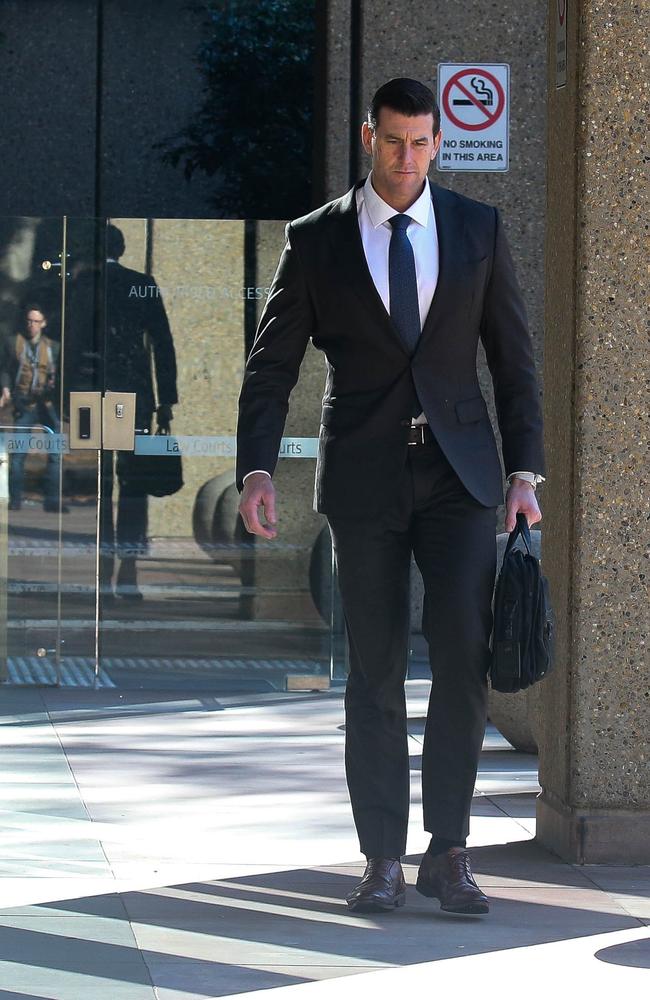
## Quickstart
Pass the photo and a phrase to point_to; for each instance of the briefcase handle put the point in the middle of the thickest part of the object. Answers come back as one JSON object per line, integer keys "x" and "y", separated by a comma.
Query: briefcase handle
{"x": 520, "y": 530}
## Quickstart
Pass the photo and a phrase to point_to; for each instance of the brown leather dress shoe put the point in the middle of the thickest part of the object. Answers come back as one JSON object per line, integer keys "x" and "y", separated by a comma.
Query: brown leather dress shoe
{"x": 448, "y": 877}
{"x": 381, "y": 888}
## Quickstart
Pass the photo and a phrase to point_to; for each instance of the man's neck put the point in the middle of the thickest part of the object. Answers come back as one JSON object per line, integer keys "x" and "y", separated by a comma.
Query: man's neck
{"x": 400, "y": 205}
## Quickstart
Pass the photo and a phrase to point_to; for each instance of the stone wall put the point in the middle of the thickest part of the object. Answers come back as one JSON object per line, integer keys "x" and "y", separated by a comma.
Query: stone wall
{"x": 595, "y": 717}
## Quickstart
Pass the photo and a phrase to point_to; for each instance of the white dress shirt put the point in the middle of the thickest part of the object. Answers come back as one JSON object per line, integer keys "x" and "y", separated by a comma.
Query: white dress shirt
{"x": 376, "y": 230}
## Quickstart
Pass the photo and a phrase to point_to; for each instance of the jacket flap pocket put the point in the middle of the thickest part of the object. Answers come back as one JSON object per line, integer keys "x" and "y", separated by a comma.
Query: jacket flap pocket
{"x": 469, "y": 411}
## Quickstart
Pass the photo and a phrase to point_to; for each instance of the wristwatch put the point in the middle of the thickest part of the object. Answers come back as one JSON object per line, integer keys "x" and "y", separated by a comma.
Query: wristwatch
{"x": 528, "y": 477}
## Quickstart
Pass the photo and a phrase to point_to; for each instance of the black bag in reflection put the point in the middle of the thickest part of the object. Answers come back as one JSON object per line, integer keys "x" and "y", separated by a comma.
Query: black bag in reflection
{"x": 150, "y": 475}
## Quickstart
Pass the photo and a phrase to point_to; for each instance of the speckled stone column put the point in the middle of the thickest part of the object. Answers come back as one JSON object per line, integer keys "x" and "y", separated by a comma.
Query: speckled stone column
{"x": 595, "y": 773}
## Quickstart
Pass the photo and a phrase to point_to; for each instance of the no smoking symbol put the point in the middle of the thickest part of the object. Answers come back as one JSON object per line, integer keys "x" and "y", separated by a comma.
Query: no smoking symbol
{"x": 473, "y": 89}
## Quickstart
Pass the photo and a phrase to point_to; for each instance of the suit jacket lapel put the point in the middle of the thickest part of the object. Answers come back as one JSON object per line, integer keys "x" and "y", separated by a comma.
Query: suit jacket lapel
{"x": 354, "y": 266}
{"x": 450, "y": 229}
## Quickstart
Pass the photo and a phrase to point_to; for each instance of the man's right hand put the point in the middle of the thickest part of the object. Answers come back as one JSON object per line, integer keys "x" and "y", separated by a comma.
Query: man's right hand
{"x": 258, "y": 493}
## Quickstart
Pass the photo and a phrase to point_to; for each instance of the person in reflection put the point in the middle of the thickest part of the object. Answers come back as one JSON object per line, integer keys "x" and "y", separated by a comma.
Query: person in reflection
{"x": 133, "y": 338}
{"x": 396, "y": 282}
{"x": 29, "y": 382}
{"x": 137, "y": 334}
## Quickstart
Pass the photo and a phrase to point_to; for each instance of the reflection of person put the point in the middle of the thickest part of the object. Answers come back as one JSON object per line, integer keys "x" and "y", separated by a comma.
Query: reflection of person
{"x": 136, "y": 329}
{"x": 29, "y": 380}
{"x": 407, "y": 464}
{"x": 133, "y": 336}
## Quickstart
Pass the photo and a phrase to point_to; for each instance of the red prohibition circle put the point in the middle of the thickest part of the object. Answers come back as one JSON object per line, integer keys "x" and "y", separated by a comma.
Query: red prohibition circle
{"x": 561, "y": 11}
{"x": 454, "y": 81}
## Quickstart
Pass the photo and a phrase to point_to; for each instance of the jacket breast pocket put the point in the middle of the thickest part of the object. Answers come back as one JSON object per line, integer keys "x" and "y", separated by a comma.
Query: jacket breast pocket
{"x": 470, "y": 411}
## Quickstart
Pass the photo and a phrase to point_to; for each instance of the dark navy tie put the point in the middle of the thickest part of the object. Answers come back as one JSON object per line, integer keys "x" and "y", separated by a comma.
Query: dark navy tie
{"x": 402, "y": 284}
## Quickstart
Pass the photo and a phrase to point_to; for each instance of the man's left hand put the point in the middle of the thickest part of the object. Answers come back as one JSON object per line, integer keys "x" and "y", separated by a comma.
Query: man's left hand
{"x": 521, "y": 498}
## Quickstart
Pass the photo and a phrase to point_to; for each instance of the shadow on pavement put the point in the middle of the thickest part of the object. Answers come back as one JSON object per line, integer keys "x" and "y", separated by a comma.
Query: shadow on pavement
{"x": 274, "y": 929}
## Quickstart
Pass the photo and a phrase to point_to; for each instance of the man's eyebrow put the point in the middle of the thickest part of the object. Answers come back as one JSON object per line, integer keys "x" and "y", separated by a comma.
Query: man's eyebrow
{"x": 416, "y": 138}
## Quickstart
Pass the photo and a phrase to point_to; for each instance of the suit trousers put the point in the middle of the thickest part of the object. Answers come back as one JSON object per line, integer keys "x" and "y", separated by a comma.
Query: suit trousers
{"x": 453, "y": 538}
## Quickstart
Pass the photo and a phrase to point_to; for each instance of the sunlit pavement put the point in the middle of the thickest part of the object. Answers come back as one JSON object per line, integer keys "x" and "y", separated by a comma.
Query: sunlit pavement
{"x": 182, "y": 848}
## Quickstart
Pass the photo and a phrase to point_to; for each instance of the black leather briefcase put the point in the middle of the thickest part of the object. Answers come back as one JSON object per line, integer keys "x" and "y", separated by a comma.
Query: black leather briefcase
{"x": 524, "y": 626}
{"x": 155, "y": 475}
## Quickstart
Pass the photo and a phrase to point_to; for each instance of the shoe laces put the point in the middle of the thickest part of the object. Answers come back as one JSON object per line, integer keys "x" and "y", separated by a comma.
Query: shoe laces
{"x": 461, "y": 866}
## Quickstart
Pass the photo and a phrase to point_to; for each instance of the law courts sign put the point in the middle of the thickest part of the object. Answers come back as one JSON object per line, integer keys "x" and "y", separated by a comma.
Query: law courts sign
{"x": 474, "y": 104}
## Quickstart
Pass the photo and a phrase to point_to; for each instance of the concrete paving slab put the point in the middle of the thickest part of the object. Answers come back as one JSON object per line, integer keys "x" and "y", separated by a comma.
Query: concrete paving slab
{"x": 21, "y": 930}
{"x": 185, "y": 979}
{"x": 540, "y": 971}
{"x": 26, "y": 982}
{"x": 109, "y": 905}
{"x": 71, "y": 958}
{"x": 628, "y": 886}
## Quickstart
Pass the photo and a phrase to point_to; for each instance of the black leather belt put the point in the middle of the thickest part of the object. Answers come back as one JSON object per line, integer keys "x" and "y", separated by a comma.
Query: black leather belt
{"x": 420, "y": 434}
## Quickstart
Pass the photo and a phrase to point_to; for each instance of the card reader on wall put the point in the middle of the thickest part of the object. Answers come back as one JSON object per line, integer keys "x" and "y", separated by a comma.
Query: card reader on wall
{"x": 86, "y": 420}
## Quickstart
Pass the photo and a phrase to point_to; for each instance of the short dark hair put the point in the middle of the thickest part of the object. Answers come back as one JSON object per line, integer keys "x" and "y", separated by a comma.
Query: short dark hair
{"x": 115, "y": 245}
{"x": 31, "y": 306}
{"x": 409, "y": 97}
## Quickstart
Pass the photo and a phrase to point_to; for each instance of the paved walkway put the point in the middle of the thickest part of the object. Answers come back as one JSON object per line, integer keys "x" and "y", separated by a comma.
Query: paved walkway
{"x": 188, "y": 848}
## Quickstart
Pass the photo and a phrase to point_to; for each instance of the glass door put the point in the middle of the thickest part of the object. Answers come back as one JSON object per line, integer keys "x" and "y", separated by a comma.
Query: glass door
{"x": 159, "y": 315}
{"x": 48, "y": 502}
{"x": 123, "y": 562}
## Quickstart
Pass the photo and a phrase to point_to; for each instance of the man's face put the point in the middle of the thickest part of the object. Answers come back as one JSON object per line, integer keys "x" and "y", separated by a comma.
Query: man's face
{"x": 402, "y": 148}
{"x": 35, "y": 323}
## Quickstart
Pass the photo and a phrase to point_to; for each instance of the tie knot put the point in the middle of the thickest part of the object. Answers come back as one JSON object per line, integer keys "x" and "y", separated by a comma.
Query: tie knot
{"x": 400, "y": 222}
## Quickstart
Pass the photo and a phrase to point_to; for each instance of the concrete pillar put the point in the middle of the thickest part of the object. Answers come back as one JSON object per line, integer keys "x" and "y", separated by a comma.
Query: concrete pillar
{"x": 593, "y": 731}
{"x": 336, "y": 90}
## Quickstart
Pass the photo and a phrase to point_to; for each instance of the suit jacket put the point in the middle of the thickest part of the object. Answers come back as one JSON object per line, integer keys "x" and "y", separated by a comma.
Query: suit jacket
{"x": 323, "y": 290}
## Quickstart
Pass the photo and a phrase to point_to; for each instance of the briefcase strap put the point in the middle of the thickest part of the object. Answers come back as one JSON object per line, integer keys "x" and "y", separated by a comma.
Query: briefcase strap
{"x": 520, "y": 530}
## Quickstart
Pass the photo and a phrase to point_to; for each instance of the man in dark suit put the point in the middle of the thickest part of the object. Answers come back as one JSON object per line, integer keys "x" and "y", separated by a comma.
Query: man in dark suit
{"x": 396, "y": 282}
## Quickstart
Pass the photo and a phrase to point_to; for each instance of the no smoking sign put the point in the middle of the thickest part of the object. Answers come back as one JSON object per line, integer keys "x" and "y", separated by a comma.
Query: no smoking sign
{"x": 474, "y": 116}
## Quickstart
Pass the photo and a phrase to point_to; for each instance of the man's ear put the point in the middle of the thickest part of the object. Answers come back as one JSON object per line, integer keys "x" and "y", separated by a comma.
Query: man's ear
{"x": 367, "y": 136}
{"x": 437, "y": 139}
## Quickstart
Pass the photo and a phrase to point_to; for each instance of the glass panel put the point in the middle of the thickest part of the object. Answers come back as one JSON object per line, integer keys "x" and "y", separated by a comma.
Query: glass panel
{"x": 48, "y": 555}
{"x": 187, "y": 599}
{"x": 165, "y": 309}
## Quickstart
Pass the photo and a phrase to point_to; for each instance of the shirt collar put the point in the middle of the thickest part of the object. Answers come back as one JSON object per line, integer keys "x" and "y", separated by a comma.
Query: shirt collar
{"x": 380, "y": 212}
